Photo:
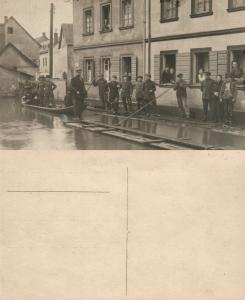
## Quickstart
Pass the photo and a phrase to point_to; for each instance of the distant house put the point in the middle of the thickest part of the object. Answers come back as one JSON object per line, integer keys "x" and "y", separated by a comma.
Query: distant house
{"x": 19, "y": 55}
{"x": 63, "y": 53}
{"x": 11, "y": 57}
{"x": 44, "y": 54}
{"x": 12, "y": 32}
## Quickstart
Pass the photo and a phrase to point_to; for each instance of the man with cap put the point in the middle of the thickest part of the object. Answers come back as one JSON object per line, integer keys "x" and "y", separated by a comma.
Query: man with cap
{"x": 208, "y": 89}
{"x": 103, "y": 90}
{"x": 114, "y": 94}
{"x": 139, "y": 92}
{"x": 126, "y": 93}
{"x": 79, "y": 93}
{"x": 49, "y": 92}
{"x": 149, "y": 89}
{"x": 181, "y": 94}
{"x": 41, "y": 90}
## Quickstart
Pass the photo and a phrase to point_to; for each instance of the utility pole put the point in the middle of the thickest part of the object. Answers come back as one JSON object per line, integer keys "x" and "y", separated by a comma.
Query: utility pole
{"x": 51, "y": 42}
{"x": 149, "y": 36}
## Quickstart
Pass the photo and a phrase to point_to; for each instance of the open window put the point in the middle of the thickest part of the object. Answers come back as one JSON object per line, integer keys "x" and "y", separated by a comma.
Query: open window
{"x": 106, "y": 17}
{"x": 89, "y": 70}
{"x": 169, "y": 10}
{"x": 106, "y": 68}
{"x": 126, "y": 13}
{"x": 88, "y": 21}
{"x": 237, "y": 60}
{"x": 200, "y": 63}
{"x": 168, "y": 67}
{"x": 201, "y": 8}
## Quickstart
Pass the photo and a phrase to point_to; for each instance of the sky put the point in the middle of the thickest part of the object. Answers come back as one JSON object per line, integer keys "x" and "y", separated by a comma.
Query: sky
{"x": 34, "y": 15}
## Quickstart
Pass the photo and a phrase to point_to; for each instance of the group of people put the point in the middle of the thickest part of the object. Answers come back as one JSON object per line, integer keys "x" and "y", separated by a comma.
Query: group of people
{"x": 111, "y": 92}
{"x": 40, "y": 92}
{"x": 218, "y": 96}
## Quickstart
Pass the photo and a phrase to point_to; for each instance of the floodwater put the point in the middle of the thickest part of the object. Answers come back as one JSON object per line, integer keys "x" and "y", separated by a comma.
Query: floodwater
{"x": 25, "y": 129}
{"x": 208, "y": 135}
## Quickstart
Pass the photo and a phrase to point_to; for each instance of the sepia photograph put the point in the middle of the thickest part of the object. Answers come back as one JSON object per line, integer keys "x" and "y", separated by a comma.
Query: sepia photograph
{"x": 122, "y": 75}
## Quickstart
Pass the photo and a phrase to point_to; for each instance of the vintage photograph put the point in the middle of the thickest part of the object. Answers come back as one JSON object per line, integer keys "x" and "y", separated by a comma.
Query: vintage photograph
{"x": 122, "y": 75}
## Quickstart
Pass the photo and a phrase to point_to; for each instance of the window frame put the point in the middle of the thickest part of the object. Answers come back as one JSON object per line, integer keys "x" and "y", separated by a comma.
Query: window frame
{"x": 10, "y": 30}
{"x": 193, "y": 52}
{"x": 164, "y": 53}
{"x": 196, "y": 15}
{"x": 165, "y": 20}
{"x": 123, "y": 26}
{"x": 234, "y": 9}
{"x": 102, "y": 58}
{"x": 102, "y": 30}
{"x": 86, "y": 59}
{"x": 84, "y": 20}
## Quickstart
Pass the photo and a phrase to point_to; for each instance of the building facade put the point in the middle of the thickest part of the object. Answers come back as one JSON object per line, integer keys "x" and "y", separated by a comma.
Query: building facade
{"x": 109, "y": 38}
{"x": 13, "y": 32}
{"x": 64, "y": 54}
{"x": 44, "y": 55}
{"x": 198, "y": 34}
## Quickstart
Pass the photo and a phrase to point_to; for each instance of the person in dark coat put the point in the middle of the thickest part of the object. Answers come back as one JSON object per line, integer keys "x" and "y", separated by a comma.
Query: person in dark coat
{"x": 207, "y": 88}
{"x": 126, "y": 93}
{"x": 165, "y": 76}
{"x": 114, "y": 87}
{"x": 228, "y": 95}
{"x": 139, "y": 93}
{"x": 103, "y": 90}
{"x": 218, "y": 104}
{"x": 79, "y": 94}
{"x": 181, "y": 94}
{"x": 149, "y": 89}
{"x": 49, "y": 92}
{"x": 41, "y": 90}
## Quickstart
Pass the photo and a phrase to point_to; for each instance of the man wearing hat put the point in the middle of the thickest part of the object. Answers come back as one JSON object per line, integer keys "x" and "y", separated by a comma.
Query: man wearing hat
{"x": 41, "y": 90}
{"x": 114, "y": 94}
{"x": 126, "y": 93}
{"x": 208, "y": 89}
{"x": 149, "y": 89}
{"x": 103, "y": 90}
{"x": 49, "y": 92}
{"x": 79, "y": 93}
{"x": 181, "y": 94}
{"x": 139, "y": 92}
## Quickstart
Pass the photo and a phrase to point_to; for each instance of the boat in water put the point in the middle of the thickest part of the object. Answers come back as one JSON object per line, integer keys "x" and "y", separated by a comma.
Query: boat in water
{"x": 27, "y": 102}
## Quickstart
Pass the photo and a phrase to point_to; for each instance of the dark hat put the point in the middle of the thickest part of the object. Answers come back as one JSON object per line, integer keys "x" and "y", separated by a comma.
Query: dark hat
{"x": 140, "y": 76}
{"x": 148, "y": 75}
{"x": 180, "y": 75}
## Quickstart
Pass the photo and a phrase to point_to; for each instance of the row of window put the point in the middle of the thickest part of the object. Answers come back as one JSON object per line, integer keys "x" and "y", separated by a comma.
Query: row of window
{"x": 200, "y": 63}
{"x": 169, "y": 8}
{"x": 126, "y": 17}
{"x": 126, "y": 68}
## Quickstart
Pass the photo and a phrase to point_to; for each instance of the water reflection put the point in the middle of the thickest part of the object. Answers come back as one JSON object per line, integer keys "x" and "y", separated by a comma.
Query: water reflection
{"x": 23, "y": 128}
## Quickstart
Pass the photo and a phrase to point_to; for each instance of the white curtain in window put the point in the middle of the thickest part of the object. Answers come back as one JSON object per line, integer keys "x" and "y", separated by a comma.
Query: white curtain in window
{"x": 169, "y": 9}
{"x": 238, "y": 3}
{"x": 202, "y": 6}
{"x": 126, "y": 12}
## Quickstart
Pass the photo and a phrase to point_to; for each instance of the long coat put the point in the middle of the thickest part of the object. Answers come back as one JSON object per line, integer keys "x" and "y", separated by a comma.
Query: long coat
{"x": 102, "y": 85}
{"x": 78, "y": 87}
{"x": 149, "y": 89}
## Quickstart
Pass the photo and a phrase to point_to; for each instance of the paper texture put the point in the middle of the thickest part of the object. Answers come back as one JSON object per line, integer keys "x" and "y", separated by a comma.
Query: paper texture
{"x": 120, "y": 225}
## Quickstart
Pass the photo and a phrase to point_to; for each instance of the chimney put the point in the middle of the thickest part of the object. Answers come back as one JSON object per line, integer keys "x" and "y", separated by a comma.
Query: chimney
{"x": 5, "y": 19}
{"x": 56, "y": 38}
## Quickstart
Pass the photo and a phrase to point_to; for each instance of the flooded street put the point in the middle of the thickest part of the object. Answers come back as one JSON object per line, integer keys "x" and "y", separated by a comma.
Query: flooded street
{"x": 26, "y": 129}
